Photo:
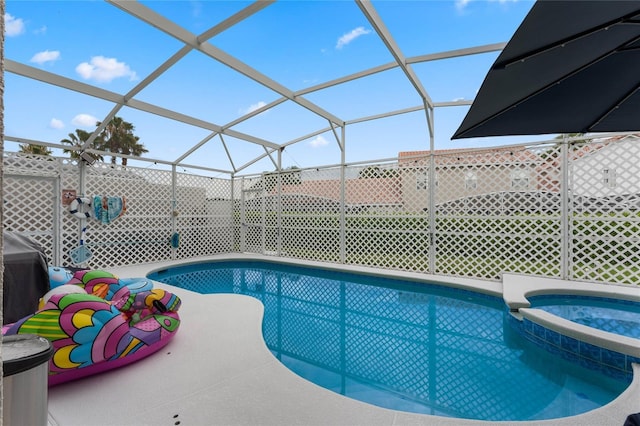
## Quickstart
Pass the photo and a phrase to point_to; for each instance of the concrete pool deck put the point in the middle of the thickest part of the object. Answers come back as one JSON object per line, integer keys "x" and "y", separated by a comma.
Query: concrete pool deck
{"x": 218, "y": 371}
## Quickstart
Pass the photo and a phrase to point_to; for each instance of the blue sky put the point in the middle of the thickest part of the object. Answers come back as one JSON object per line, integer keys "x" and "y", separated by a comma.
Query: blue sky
{"x": 297, "y": 44}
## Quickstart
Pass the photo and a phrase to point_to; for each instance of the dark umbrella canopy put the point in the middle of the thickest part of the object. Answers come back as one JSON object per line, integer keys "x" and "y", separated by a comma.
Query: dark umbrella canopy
{"x": 571, "y": 67}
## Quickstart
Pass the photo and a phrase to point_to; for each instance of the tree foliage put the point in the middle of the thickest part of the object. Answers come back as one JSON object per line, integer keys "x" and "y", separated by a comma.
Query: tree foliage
{"x": 552, "y": 152}
{"x": 77, "y": 141}
{"x": 118, "y": 138}
{"x": 34, "y": 149}
{"x": 290, "y": 176}
{"x": 269, "y": 180}
{"x": 374, "y": 172}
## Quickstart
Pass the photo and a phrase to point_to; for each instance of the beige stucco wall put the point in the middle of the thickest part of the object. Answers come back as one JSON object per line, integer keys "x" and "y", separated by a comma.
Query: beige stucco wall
{"x": 451, "y": 183}
{"x": 586, "y": 172}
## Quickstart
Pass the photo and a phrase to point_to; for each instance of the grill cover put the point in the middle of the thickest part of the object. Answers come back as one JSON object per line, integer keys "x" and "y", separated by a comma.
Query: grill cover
{"x": 26, "y": 276}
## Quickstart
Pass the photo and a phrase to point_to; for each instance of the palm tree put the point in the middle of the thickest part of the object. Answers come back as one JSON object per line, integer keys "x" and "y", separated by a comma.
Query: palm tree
{"x": 34, "y": 149}
{"x": 133, "y": 148}
{"x": 118, "y": 138}
{"x": 78, "y": 140}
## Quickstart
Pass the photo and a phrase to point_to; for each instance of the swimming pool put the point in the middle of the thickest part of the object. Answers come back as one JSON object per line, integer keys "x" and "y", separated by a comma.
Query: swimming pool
{"x": 447, "y": 352}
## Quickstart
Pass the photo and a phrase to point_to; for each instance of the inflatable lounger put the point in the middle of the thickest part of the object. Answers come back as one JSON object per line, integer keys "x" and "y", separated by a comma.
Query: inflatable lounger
{"x": 97, "y": 322}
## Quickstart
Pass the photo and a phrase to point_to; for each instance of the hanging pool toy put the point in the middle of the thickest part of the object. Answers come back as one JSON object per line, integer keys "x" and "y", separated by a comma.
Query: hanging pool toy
{"x": 175, "y": 240}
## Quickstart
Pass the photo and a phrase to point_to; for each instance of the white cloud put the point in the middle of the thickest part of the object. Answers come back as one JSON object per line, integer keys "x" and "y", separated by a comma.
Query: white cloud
{"x": 84, "y": 120}
{"x": 104, "y": 70}
{"x": 350, "y": 36}
{"x": 252, "y": 108}
{"x": 462, "y": 4}
{"x": 41, "y": 30}
{"x": 318, "y": 142}
{"x": 46, "y": 56}
{"x": 196, "y": 9}
{"x": 13, "y": 26}
{"x": 56, "y": 124}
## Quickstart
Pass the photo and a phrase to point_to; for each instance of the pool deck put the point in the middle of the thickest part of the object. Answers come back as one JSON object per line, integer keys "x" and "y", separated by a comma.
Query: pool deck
{"x": 218, "y": 371}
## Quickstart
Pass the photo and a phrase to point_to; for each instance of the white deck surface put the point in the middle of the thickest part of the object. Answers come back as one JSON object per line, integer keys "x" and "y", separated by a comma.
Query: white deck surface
{"x": 218, "y": 371}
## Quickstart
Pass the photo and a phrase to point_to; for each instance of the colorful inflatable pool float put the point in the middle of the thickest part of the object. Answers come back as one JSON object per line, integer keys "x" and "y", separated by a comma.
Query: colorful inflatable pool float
{"x": 97, "y": 322}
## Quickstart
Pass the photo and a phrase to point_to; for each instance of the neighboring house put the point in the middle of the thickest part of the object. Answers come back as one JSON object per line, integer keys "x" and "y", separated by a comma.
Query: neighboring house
{"x": 606, "y": 168}
{"x": 602, "y": 174}
{"x": 462, "y": 173}
{"x": 369, "y": 193}
{"x": 485, "y": 180}
{"x": 550, "y": 171}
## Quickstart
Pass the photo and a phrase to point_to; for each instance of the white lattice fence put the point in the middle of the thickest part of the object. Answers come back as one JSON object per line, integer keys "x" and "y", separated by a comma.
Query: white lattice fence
{"x": 31, "y": 200}
{"x": 204, "y": 216}
{"x": 295, "y": 213}
{"x": 380, "y": 230}
{"x": 496, "y": 212}
{"x": 310, "y": 224}
{"x": 249, "y": 220}
{"x": 556, "y": 210}
{"x": 203, "y": 207}
{"x": 27, "y": 215}
{"x": 508, "y": 209}
{"x": 201, "y": 215}
{"x": 142, "y": 233}
{"x": 605, "y": 211}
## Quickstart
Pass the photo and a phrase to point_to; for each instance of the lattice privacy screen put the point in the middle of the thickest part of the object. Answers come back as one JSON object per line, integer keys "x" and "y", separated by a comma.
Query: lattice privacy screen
{"x": 200, "y": 211}
{"x": 568, "y": 211}
{"x": 604, "y": 203}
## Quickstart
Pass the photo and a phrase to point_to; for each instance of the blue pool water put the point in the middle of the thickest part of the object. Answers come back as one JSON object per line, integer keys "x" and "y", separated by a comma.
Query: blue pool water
{"x": 615, "y": 316}
{"x": 399, "y": 345}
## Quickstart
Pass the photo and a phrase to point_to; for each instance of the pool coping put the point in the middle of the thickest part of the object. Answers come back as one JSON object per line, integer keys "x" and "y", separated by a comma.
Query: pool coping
{"x": 491, "y": 288}
{"x": 517, "y": 287}
{"x": 261, "y": 390}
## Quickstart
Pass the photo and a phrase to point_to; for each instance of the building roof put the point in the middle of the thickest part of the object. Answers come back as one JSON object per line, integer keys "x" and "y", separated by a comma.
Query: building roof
{"x": 500, "y": 155}
{"x": 362, "y": 191}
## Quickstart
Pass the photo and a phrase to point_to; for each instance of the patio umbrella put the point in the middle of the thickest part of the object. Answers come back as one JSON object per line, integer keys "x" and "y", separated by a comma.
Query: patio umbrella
{"x": 571, "y": 67}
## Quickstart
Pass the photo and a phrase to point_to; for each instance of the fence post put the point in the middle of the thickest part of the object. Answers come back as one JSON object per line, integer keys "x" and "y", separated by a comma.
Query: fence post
{"x": 279, "y": 207}
{"x": 232, "y": 200}
{"x": 243, "y": 218}
{"x": 343, "y": 221}
{"x": 432, "y": 193}
{"x": 564, "y": 206}
{"x": 174, "y": 207}
{"x": 82, "y": 184}
{"x": 56, "y": 232}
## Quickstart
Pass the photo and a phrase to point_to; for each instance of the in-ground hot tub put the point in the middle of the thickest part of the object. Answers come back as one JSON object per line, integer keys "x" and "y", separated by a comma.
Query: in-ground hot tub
{"x": 612, "y": 315}
{"x": 594, "y": 325}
